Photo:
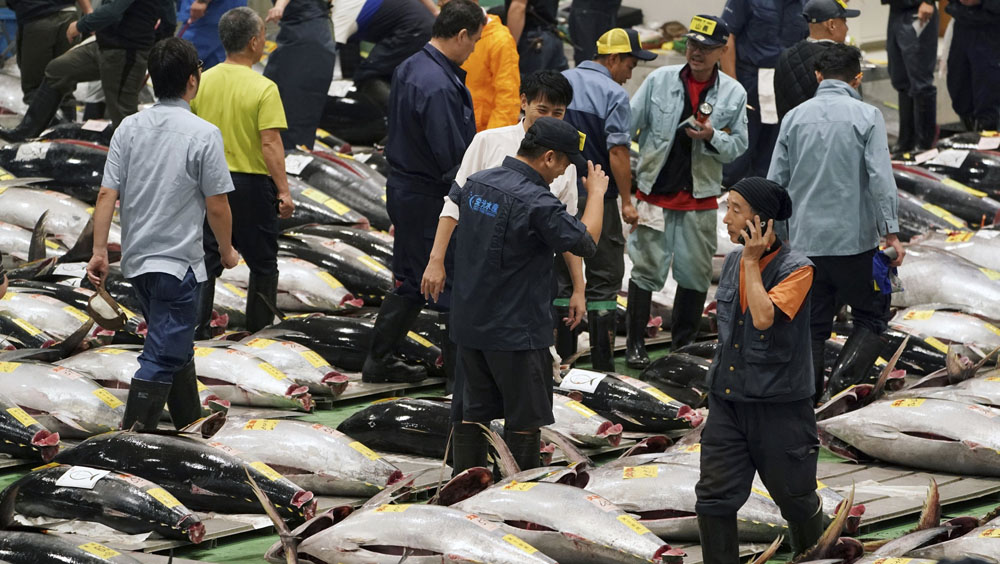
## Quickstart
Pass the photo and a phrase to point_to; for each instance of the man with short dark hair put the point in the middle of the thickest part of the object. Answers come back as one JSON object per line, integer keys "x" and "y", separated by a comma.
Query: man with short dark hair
{"x": 795, "y": 71}
{"x": 168, "y": 168}
{"x": 501, "y": 322}
{"x": 246, "y": 107}
{"x": 600, "y": 109}
{"x": 833, "y": 154}
{"x": 431, "y": 122}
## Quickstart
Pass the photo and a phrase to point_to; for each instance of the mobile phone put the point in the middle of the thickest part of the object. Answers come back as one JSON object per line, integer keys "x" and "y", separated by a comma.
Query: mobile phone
{"x": 763, "y": 231}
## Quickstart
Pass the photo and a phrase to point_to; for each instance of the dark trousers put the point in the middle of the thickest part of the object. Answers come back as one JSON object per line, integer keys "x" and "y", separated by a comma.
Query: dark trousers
{"x": 398, "y": 29}
{"x": 515, "y": 386}
{"x": 912, "y": 57}
{"x": 604, "y": 271}
{"x": 254, "y": 205}
{"x": 121, "y": 72}
{"x": 415, "y": 217}
{"x": 170, "y": 307}
{"x": 846, "y": 280}
{"x": 778, "y": 440}
{"x": 38, "y": 42}
{"x": 302, "y": 67}
{"x": 974, "y": 73}
{"x": 540, "y": 49}
{"x": 757, "y": 158}
{"x": 588, "y": 20}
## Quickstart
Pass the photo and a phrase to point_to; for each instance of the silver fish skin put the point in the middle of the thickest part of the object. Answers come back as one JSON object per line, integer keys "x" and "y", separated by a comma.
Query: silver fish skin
{"x": 979, "y": 247}
{"x": 19, "y": 547}
{"x": 451, "y": 534}
{"x": 583, "y": 424}
{"x": 302, "y": 364}
{"x": 111, "y": 366}
{"x": 67, "y": 217}
{"x": 316, "y": 457}
{"x": 245, "y": 379}
{"x": 982, "y": 543}
{"x": 984, "y": 389}
{"x": 934, "y": 276}
{"x": 44, "y": 312}
{"x": 15, "y": 241}
{"x": 302, "y": 286}
{"x": 931, "y": 434}
{"x": 585, "y": 528}
{"x": 62, "y": 400}
{"x": 948, "y": 326}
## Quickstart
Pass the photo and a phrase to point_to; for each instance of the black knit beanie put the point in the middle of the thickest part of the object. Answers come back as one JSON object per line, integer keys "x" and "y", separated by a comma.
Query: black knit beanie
{"x": 767, "y": 198}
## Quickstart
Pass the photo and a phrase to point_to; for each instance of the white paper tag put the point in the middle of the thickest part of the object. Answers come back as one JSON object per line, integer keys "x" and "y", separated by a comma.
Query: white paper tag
{"x": 925, "y": 156}
{"x": 986, "y": 234}
{"x": 582, "y": 380}
{"x": 363, "y": 157}
{"x": 71, "y": 269}
{"x": 95, "y": 125}
{"x": 81, "y": 477}
{"x": 295, "y": 164}
{"x": 32, "y": 151}
{"x": 952, "y": 158}
{"x": 765, "y": 96}
{"x": 989, "y": 143}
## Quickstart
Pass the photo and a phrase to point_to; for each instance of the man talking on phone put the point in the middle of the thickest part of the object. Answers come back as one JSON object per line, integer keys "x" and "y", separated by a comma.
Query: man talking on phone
{"x": 689, "y": 120}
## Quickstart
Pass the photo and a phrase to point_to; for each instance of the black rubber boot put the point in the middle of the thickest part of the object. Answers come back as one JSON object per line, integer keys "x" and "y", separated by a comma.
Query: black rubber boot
{"x": 526, "y": 448}
{"x": 183, "y": 401}
{"x": 720, "y": 542}
{"x": 819, "y": 370}
{"x": 685, "y": 319}
{"x": 855, "y": 361}
{"x": 394, "y": 320}
{"x": 968, "y": 122}
{"x": 43, "y": 107}
{"x": 144, "y": 406}
{"x": 906, "y": 141}
{"x": 925, "y": 121}
{"x": 636, "y": 319}
{"x": 206, "y": 303}
{"x": 470, "y": 447}
{"x": 449, "y": 351}
{"x": 803, "y": 535}
{"x": 565, "y": 337}
{"x": 94, "y": 110}
{"x": 261, "y": 288}
{"x": 602, "y": 339}
{"x": 67, "y": 111}
{"x": 375, "y": 90}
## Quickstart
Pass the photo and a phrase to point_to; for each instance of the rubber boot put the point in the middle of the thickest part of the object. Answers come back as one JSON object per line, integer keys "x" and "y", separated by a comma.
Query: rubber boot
{"x": 565, "y": 337}
{"x": 376, "y": 91}
{"x": 94, "y": 110}
{"x": 685, "y": 319}
{"x": 601, "y": 324}
{"x": 40, "y": 112}
{"x": 925, "y": 121}
{"x": 394, "y": 320}
{"x": 525, "y": 447}
{"x": 449, "y": 352}
{"x": 470, "y": 447}
{"x": 905, "y": 142}
{"x": 67, "y": 111}
{"x": 855, "y": 361}
{"x": 819, "y": 370}
{"x": 968, "y": 122}
{"x": 988, "y": 124}
{"x": 183, "y": 401}
{"x": 636, "y": 319}
{"x": 803, "y": 535}
{"x": 720, "y": 542}
{"x": 206, "y": 303}
{"x": 262, "y": 290}
{"x": 144, "y": 406}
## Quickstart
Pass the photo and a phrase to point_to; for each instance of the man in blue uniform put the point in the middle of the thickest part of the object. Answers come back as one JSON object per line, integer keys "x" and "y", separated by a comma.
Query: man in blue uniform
{"x": 760, "y": 384}
{"x": 533, "y": 24}
{"x": 431, "y": 122}
{"x": 911, "y": 45}
{"x": 510, "y": 225}
{"x": 200, "y": 25}
{"x": 973, "y": 72}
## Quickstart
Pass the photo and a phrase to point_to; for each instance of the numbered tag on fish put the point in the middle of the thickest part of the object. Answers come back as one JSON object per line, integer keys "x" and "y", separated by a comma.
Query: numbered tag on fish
{"x": 329, "y": 279}
{"x": 991, "y": 274}
{"x": 270, "y": 369}
{"x": 648, "y": 388}
{"x": 951, "y": 158}
{"x": 365, "y": 451}
{"x": 909, "y": 402}
{"x": 8, "y": 367}
{"x": 419, "y": 338}
{"x": 639, "y": 472}
{"x": 820, "y": 485}
{"x": 692, "y": 448}
{"x": 631, "y": 523}
{"x": 918, "y": 315}
{"x": 337, "y": 206}
{"x": 601, "y": 503}
{"x": 22, "y": 416}
{"x": 582, "y": 380}
{"x": 313, "y": 358}
{"x": 260, "y": 343}
{"x": 27, "y": 327}
{"x": 371, "y": 263}
{"x": 99, "y": 550}
{"x": 398, "y": 508}
{"x": 95, "y": 125}
{"x": 520, "y": 544}
{"x": 959, "y": 186}
{"x": 990, "y": 534}
{"x": 108, "y": 398}
{"x": 203, "y": 351}
{"x": 482, "y": 523}
{"x": 581, "y": 409}
{"x": 79, "y": 315}
{"x": 936, "y": 344}
{"x": 267, "y": 471}
{"x": 959, "y": 237}
{"x": 261, "y": 424}
{"x": 81, "y": 477}
{"x": 295, "y": 164}
{"x": 163, "y": 496}
{"x": 893, "y": 560}
{"x": 520, "y": 486}
{"x": 110, "y": 350}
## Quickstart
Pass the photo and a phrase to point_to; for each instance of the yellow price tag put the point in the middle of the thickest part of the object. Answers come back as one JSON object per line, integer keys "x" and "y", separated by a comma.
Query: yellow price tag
{"x": 329, "y": 279}
{"x": 881, "y": 361}
{"x": 261, "y": 343}
{"x": 693, "y": 448}
{"x": 520, "y": 486}
{"x": 991, "y": 274}
{"x": 386, "y": 508}
{"x": 893, "y": 560}
{"x": 8, "y": 367}
{"x": 201, "y": 387}
{"x": 990, "y": 534}
{"x": 240, "y": 292}
{"x": 336, "y": 206}
{"x": 163, "y": 496}
{"x": 918, "y": 315}
{"x": 51, "y": 244}
{"x": 631, "y": 523}
{"x": 702, "y": 25}
{"x": 315, "y": 195}
{"x": 203, "y": 351}
{"x": 109, "y": 350}
{"x": 371, "y": 263}
{"x": 107, "y": 398}
{"x": 622, "y": 301}
{"x": 944, "y": 214}
{"x": 365, "y": 451}
{"x": 638, "y": 472}
{"x": 99, "y": 550}
{"x": 314, "y": 359}
{"x": 992, "y": 379}
{"x": 909, "y": 402}
{"x": 959, "y": 237}
{"x": 22, "y": 416}
{"x": 936, "y": 344}
{"x": 658, "y": 394}
{"x": 45, "y": 466}
{"x": 267, "y": 471}
{"x": 958, "y": 185}
{"x": 581, "y": 409}
{"x": 270, "y": 369}
{"x": 418, "y": 338}
{"x": 820, "y": 485}
{"x": 520, "y": 544}
{"x": 993, "y": 328}
{"x": 79, "y": 315}
{"x": 261, "y": 425}
{"x": 28, "y": 328}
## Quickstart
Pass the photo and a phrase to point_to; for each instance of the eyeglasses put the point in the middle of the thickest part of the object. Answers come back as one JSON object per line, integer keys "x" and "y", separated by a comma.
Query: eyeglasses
{"x": 201, "y": 64}
{"x": 691, "y": 45}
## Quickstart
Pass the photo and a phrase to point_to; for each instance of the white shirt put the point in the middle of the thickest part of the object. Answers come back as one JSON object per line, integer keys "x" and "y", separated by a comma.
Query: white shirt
{"x": 488, "y": 150}
{"x": 345, "y": 18}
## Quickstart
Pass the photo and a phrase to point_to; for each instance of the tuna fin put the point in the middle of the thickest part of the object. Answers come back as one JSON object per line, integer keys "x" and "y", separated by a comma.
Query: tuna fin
{"x": 829, "y": 538}
{"x": 990, "y": 516}
{"x": 625, "y": 417}
{"x": 84, "y": 247}
{"x": 505, "y": 460}
{"x": 930, "y": 514}
{"x": 71, "y": 343}
{"x": 285, "y": 535}
{"x": 565, "y": 444}
{"x": 7, "y": 502}
{"x": 887, "y": 370}
{"x": 654, "y": 444}
{"x": 24, "y": 181}
{"x": 271, "y": 306}
{"x": 44, "y": 355}
{"x": 206, "y": 426}
{"x": 36, "y": 249}
{"x": 769, "y": 552}
{"x": 68, "y": 421}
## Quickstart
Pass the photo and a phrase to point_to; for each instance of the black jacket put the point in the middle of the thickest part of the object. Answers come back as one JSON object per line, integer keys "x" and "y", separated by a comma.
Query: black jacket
{"x": 795, "y": 74}
{"x": 130, "y": 24}
{"x": 30, "y": 10}
{"x": 900, "y": 5}
{"x": 987, "y": 13}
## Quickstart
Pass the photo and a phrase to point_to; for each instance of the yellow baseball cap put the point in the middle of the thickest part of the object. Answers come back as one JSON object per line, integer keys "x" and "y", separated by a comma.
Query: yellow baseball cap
{"x": 625, "y": 41}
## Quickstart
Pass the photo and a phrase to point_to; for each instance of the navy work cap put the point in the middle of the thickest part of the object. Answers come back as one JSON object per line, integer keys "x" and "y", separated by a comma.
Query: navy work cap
{"x": 709, "y": 31}
{"x": 558, "y": 135}
{"x": 819, "y": 11}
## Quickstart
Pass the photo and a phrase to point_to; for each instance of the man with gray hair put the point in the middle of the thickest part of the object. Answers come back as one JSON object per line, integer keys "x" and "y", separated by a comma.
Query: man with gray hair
{"x": 246, "y": 107}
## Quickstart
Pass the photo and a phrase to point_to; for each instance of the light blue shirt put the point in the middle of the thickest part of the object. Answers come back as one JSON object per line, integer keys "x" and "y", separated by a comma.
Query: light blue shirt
{"x": 656, "y": 111}
{"x": 163, "y": 162}
{"x": 832, "y": 155}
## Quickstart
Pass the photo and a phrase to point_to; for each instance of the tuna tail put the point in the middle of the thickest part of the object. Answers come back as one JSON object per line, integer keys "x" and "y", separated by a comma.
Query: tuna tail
{"x": 832, "y": 534}
{"x": 73, "y": 342}
{"x": 44, "y": 355}
{"x": 769, "y": 552}
{"x": 990, "y": 516}
{"x": 880, "y": 385}
{"x": 84, "y": 247}
{"x": 288, "y": 541}
{"x": 207, "y": 426}
{"x": 8, "y": 500}
{"x": 36, "y": 250}
{"x": 930, "y": 515}
{"x": 565, "y": 444}
{"x": 505, "y": 460}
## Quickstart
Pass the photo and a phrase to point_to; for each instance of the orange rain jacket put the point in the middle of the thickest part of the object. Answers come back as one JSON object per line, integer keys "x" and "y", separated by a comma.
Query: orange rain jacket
{"x": 494, "y": 78}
